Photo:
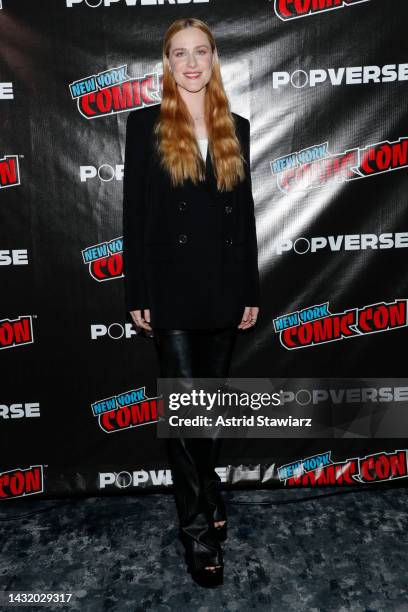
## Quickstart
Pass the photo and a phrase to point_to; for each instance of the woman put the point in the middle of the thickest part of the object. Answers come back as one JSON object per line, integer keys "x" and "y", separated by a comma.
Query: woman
{"x": 190, "y": 256}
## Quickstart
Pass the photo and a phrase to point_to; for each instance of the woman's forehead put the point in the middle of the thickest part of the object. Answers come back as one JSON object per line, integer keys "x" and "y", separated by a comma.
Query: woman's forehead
{"x": 188, "y": 38}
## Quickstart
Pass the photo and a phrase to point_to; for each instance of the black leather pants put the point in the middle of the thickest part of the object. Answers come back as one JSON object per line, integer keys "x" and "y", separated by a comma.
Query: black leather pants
{"x": 202, "y": 354}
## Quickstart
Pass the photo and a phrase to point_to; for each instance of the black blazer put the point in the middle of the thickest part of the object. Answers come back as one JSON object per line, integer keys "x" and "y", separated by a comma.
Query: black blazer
{"x": 189, "y": 253}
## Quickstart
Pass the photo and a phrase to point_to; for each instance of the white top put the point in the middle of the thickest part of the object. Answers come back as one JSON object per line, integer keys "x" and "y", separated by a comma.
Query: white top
{"x": 203, "y": 144}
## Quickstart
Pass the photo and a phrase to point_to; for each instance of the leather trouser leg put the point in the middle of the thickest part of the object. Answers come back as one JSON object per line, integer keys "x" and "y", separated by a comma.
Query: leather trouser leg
{"x": 191, "y": 353}
{"x": 215, "y": 353}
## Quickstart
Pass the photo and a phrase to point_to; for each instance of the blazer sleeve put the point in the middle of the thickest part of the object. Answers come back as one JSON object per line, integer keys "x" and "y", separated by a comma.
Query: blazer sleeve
{"x": 252, "y": 289}
{"x": 134, "y": 206}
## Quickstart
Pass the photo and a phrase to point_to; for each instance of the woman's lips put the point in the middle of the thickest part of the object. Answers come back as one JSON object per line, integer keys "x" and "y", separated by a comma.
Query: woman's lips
{"x": 192, "y": 75}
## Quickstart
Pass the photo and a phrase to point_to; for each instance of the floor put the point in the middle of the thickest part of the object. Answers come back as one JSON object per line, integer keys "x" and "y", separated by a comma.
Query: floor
{"x": 342, "y": 551}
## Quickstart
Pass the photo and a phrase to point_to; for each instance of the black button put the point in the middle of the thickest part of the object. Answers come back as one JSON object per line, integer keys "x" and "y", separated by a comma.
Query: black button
{"x": 228, "y": 241}
{"x": 228, "y": 209}
{"x": 182, "y": 239}
{"x": 182, "y": 206}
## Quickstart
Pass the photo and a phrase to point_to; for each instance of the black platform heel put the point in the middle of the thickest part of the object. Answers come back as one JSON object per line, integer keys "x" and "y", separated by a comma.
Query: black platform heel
{"x": 207, "y": 577}
{"x": 204, "y": 562}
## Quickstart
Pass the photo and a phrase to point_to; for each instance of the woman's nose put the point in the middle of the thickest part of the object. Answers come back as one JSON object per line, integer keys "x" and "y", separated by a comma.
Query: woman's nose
{"x": 192, "y": 61}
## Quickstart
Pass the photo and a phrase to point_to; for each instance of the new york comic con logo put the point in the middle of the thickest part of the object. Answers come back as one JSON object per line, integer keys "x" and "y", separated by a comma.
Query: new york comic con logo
{"x": 127, "y": 410}
{"x": 104, "y": 260}
{"x": 293, "y": 9}
{"x": 315, "y": 167}
{"x": 16, "y": 332}
{"x": 9, "y": 171}
{"x": 20, "y": 482}
{"x": 321, "y": 470}
{"x": 316, "y": 325}
{"x": 113, "y": 91}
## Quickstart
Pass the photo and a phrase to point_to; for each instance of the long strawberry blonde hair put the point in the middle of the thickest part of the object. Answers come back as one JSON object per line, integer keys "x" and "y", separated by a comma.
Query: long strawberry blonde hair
{"x": 176, "y": 141}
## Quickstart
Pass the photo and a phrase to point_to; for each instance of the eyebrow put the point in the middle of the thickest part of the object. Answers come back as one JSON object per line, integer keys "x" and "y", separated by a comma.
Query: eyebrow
{"x": 184, "y": 48}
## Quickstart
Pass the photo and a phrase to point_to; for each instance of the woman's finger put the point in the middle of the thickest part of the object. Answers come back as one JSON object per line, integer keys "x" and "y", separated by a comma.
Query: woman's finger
{"x": 245, "y": 318}
{"x": 139, "y": 320}
{"x": 249, "y": 317}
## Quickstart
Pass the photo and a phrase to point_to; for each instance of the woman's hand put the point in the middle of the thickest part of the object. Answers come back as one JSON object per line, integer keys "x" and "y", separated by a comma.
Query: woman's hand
{"x": 139, "y": 320}
{"x": 249, "y": 317}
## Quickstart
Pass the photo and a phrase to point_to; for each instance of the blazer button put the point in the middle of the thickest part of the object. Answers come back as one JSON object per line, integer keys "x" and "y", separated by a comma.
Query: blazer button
{"x": 182, "y": 239}
{"x": 228, "y": 209}
{"x": 228, "y": 241}
{"x": 182, "y": 206}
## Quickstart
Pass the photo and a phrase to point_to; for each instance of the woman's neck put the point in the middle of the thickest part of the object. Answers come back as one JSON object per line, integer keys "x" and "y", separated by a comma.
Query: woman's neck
{"x": 195, "y": 105}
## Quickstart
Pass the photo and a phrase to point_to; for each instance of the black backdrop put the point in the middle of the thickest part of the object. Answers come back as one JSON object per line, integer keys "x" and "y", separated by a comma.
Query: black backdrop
{"x": 324, "y": 85}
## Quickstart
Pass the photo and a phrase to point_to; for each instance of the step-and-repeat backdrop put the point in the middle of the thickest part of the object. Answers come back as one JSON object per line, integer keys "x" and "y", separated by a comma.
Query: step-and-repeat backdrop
{"x": 324, "y": 85}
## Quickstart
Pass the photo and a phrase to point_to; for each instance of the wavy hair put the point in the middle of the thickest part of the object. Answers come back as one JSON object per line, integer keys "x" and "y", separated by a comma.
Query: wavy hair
{"x": 176, "y": 141}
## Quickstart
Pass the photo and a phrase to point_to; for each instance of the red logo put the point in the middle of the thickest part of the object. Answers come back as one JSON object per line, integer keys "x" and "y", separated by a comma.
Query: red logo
{"x": 9, "y": 171}
{"x": 16, "y": 332}
{"x": 20, "y": 482}
{"x": 377, "y": 467}
{"x": 309, "y": 327}
{"x": 114, "y": 91}
{"x": 105, "y": 259}
{"x": 293, "y": 9}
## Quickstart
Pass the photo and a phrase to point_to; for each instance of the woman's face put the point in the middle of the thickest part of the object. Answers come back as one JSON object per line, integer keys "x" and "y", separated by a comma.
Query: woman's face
{"x": 190, "y": 58}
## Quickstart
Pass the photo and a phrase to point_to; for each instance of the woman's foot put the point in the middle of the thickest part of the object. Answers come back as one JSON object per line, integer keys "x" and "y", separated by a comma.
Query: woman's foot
{"x": 219, "y": 513}
{"x": 220, "y": 530}
{"x": 209, "y": 576}
{"x": 217, "y": 525}
{"x": 212, "y": 568}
